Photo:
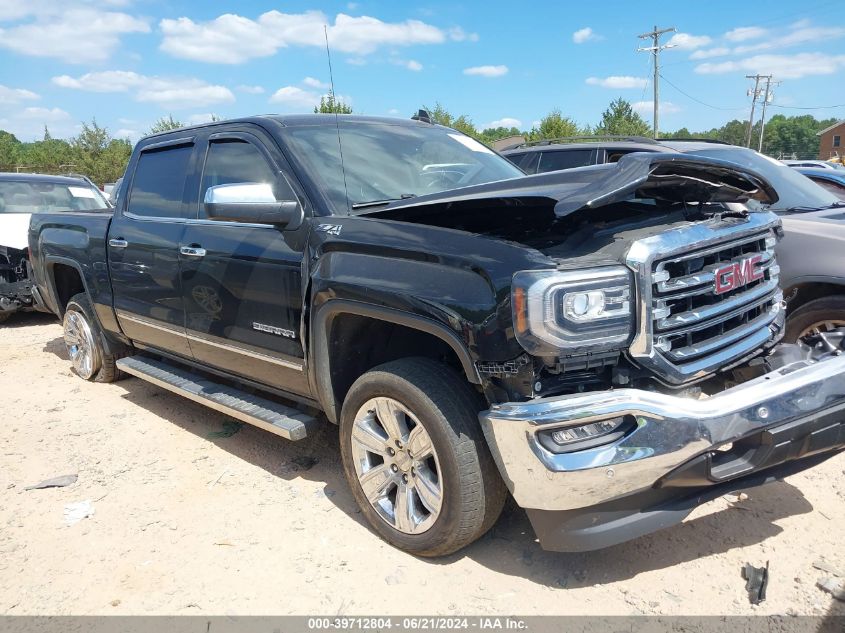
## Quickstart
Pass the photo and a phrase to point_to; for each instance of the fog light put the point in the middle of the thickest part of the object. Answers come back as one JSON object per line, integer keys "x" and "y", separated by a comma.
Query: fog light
{"x": 586, "y": 431}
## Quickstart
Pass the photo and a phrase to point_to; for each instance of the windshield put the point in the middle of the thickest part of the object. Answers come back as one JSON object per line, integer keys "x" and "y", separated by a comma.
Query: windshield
{"x": 794, "y": 189}
{"x": 386, "y": 162}
{"x": 26, "y": 196}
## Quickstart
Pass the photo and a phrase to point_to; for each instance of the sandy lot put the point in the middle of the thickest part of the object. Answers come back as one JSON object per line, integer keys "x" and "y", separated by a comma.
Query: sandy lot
{"x": 190, "y": 518}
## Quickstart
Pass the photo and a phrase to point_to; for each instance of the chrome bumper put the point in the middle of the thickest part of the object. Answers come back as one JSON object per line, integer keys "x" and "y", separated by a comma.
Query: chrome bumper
{"x": 669, "y": 431}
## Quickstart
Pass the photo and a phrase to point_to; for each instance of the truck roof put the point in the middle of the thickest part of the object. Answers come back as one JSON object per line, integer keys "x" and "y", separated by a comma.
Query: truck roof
{"x": 296, "y": 120}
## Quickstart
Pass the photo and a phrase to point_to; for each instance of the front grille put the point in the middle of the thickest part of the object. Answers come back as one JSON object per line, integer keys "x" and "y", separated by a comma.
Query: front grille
{"x": 697, "y": 330}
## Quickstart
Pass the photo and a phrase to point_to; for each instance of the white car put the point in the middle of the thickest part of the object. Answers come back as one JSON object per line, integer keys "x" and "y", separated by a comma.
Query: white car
{"x": 21, "y": 195}
{"x": 823, "y": 164}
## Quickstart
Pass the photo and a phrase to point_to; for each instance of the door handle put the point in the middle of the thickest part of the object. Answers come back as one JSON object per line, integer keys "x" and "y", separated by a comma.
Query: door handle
{"x": 192, "y": 251}
{"x": 118, "y": 243}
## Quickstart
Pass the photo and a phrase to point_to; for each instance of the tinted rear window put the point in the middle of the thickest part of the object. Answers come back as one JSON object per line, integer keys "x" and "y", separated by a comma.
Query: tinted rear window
{"x": 553, "y": 161}
{"x": 159, "y": 182}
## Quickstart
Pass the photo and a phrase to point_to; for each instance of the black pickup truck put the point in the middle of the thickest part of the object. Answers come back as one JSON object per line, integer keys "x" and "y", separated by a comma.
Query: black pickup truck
{"x": 602, "y": 344}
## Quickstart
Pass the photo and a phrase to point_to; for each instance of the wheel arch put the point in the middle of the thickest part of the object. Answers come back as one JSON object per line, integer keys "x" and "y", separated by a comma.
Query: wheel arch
{"x": 335, "y": 326}
{"x": 808, "y": 289}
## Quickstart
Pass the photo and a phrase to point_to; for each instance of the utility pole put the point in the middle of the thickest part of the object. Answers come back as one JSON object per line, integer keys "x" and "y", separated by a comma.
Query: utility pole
{"x": 655, "y": 49}
{"x": 754, "y": 94}
{"x": 767, "y": 98}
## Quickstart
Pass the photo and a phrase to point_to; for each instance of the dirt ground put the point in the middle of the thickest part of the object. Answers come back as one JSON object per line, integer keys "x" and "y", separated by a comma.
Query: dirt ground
{"x": 191, "y": 518}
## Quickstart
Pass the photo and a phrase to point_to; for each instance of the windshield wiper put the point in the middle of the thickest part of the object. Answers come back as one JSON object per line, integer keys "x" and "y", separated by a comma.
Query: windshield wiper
{"x": 378, "y": 203}
{"x": 835, "y": 205}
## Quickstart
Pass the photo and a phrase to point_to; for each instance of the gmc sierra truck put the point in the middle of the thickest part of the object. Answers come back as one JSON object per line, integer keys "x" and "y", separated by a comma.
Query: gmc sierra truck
{"x": 602, "y": 344}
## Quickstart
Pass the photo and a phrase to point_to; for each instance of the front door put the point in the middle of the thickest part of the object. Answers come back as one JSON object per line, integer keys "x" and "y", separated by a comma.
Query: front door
{"x": 242, "y": 283}
{"x": 143, "y": 249}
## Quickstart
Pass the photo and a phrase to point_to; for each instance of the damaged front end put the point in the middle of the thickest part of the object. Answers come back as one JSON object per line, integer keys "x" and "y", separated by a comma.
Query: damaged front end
{"x": 16, "y": 284}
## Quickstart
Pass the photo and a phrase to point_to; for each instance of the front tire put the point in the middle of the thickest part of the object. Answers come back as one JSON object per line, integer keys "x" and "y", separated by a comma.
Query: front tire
{"x": 416, "y": 459}
{"x": 815, "y": 317}
{"x": 84, "y": 340}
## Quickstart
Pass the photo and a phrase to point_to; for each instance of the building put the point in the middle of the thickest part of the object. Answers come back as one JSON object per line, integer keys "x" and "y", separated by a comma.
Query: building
{"x": 508, "y": 141}
{"x": 832, "y": 141}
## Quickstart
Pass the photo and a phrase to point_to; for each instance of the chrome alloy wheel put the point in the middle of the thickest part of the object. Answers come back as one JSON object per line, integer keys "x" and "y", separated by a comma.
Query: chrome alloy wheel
{"x": 79, "y": 341}
{"x": 820, "y": 329}
{"x": 397, "y": 465}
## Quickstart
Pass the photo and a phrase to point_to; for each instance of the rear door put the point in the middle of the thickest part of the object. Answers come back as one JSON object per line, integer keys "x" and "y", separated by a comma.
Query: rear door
{"x": 243, "y": 282}
{"x": 143, "y": 247}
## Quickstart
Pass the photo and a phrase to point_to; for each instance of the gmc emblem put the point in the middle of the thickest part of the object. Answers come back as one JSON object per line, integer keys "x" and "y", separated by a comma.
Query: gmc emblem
{"x": 738, "y": 274}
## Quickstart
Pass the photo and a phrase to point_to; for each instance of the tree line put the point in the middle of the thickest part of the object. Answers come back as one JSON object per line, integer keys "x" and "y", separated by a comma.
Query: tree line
{"x": 96, "y": 154}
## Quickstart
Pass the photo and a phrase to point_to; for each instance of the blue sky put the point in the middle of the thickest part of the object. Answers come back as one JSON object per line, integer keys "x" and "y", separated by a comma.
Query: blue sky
{"x": 128, "y": 62}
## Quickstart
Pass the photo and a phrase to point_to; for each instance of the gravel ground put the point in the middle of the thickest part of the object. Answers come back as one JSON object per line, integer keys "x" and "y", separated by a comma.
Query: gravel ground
{"x": 195, "y": 515}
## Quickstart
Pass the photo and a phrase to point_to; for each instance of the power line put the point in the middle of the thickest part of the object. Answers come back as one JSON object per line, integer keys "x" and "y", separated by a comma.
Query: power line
{"x": 839, "y": 105}
{"x": 655, "y": 52}
{"x": 689, "y": 96}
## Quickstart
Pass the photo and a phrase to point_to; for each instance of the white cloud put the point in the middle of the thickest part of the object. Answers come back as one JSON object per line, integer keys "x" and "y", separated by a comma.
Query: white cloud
{"x": 618, "y": 82}
{"x": 356, "y": 61}
{"x": 234, "y": 39}
{"x": 393, "y": 111}
{"x": 584, "y": 35}
{"x": 104, "y": 81}
{"x": 15, "y": 95}
{"x": 647, "y": 107}
{"x": 707, "y": 53}
{"x": 803, "y": 35}
{"x": 204, "y": 117}
{"x": 457, "y": 34}
{"x": 410, "y": 64}
{"x": 295, "y": 97}
{"x": 76, "y": 33}
{"x": 786, "y": 66}
{"x": 45, "y": 115}
{"x": 315, "y": 83}
{"x": 744, "y": 33}
{"x": 688, "y": 42}
{"x": 129, "y": 133}
{"x": 250, "y": 90}
{"x": 167, "y": 92}
{"x": 487, "y": 71}
{"x": 507, "y": 122}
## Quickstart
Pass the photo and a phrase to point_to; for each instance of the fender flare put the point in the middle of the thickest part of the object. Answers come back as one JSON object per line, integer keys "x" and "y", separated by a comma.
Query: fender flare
{"x": 49, "y": 263}
{"x": 321, "y": 324}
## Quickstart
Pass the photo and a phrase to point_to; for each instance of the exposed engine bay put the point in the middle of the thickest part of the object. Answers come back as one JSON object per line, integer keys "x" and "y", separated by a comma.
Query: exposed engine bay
{"x": 15, "y": 284}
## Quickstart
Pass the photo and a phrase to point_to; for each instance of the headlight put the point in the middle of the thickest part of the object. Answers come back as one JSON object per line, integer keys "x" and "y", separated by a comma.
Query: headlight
{"x": 572, "y": 312}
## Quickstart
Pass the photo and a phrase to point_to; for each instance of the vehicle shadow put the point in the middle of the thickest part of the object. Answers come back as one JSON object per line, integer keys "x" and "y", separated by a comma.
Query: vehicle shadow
{"x": 510, "y": 546}
{"x": 56, "y": 346}
{"x": 28, "y": 319}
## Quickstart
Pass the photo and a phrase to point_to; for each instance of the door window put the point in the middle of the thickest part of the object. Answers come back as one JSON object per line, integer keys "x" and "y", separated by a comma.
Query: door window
{"x": 159, "y": 182}
{"x": 235, "y": 161}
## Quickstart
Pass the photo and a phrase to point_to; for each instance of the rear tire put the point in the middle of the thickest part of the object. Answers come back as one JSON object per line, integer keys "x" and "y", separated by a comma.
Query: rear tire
{"x": 92, "y": 357}
{"x": 449, "y": 493}
{"x": 822, "y": 314}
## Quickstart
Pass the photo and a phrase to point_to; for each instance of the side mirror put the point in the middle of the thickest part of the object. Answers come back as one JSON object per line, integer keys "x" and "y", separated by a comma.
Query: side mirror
{"x": 253, "y": 203}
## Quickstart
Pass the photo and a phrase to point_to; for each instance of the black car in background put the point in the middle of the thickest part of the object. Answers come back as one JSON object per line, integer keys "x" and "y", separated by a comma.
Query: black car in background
{"x": 831, "y": 179}
{"x": 538, "y": 157}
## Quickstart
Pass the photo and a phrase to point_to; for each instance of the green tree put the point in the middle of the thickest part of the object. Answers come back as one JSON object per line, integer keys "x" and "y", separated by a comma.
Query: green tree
{"x": 165, "y": 124}
{"x": 329, "y": 104}
{"x": 10, "y": 150}
{"x": 490, "y": 134}
{"x": 620, "y": 120}
{"x": 440, "y": 115}
{"x": 554, "y": 125}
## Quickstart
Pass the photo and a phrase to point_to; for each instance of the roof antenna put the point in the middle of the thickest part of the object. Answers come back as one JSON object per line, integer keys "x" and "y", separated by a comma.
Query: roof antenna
{"x": 333, "y": 103}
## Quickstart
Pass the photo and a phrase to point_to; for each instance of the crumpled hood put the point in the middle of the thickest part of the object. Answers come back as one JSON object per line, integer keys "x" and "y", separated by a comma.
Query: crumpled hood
{"x": 14, "y": 230}
{"x": 672, "y": 177}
